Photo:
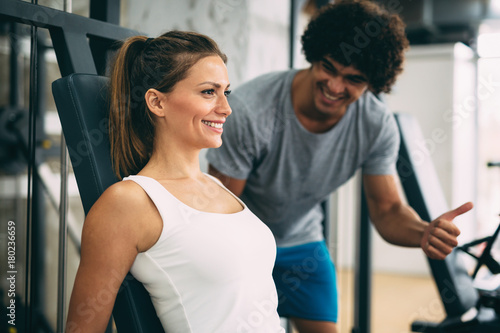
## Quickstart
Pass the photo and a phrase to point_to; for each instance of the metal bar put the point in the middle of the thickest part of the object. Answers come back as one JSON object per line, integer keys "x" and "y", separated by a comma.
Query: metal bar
{"x": 15, "y": 73}
{"x": 39, "y": 207}
{"x": 362, "y": 272}
{"x": 38, "y": 278}
{"x": 325, "y": 207}
{"x": 486, "y": 257}
{"x": 45, "y": 17}
{"x": 63, "y": 234}
{"x": 492, "y": 164}
{"x": 72, "y": 52}
{"x": 99, "y": 49}
{"x": 47, "y": 179}
{"x": 31, "y": 167}
{"x": 105, "y": 10}
{"x": 293, "y": 29}
{"x": 68, "y": 6}
{"x": 63, "y": 226}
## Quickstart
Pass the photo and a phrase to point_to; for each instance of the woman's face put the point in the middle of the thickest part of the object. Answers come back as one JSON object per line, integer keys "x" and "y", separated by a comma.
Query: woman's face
{"x": 197, "y": 107}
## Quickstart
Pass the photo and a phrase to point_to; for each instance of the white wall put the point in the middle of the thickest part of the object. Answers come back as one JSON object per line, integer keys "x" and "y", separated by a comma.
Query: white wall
{"x": 268, "y": 42}
{"x": 253, "y": 34}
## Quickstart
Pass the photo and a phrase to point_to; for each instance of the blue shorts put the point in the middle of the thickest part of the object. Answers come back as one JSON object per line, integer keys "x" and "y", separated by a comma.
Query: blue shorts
{"x": 306, "y": 282}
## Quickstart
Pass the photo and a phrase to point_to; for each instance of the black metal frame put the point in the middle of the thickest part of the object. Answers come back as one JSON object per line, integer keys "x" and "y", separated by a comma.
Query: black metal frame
{"x": 362, "y": 271}
{"x": 69, "y": 32}
{"x": 79, "y": 42}
{"x": 81, "y": 45}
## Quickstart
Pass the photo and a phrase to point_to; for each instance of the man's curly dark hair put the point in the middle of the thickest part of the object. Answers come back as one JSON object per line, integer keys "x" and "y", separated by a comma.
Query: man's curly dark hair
{"x": 362, "y": 34}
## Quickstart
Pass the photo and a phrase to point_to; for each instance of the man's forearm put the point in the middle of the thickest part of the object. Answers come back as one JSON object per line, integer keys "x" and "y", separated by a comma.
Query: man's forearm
{"x": 401, "y": 226}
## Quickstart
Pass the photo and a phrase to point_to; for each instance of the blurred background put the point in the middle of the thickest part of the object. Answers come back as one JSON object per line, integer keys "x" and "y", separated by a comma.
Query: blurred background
{"x": 451, "y": 84}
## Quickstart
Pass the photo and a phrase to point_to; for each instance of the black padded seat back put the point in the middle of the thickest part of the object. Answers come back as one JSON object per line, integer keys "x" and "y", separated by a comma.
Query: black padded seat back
{"x": 81, "y": 101}
{"x": 82, "y": 105}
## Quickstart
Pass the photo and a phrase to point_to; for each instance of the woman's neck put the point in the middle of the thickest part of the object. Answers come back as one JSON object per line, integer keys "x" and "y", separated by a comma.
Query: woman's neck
{"x": 172, "y": 164}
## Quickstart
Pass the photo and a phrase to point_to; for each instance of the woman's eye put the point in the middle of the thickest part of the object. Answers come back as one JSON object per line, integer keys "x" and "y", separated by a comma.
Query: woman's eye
{"x": 227, "y": 93}
{"x": 208, "y": 92}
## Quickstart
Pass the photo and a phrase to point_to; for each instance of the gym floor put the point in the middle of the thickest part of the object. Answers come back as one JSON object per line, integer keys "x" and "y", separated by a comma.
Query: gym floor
{"x": 397, "y": 301}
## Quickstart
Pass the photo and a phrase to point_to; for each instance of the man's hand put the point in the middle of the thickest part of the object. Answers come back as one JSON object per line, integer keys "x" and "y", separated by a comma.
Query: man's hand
{"x": 440, "y": 236}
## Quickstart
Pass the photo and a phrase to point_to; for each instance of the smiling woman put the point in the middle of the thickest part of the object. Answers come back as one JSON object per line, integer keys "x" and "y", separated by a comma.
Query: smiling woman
{"x": 153, "y": 67}
{"x": 179, "y": 231}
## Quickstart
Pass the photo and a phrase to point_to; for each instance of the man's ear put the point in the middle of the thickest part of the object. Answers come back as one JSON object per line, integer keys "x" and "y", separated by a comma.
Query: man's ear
{"x": 155, "y": 102}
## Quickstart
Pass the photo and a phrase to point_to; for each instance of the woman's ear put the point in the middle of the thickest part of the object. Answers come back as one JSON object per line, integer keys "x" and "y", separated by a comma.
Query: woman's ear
{"x": 155, "y": 102}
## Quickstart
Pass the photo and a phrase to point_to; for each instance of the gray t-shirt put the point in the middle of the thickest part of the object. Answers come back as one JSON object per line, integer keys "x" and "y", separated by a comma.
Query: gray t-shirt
{"x": 289, "y": 170}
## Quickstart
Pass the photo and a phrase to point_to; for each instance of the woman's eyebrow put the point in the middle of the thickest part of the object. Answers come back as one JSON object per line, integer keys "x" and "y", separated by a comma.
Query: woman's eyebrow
{"x": 215, "y": 84}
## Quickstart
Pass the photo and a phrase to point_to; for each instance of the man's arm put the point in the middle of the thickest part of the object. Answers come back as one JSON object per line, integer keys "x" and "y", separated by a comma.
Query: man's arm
{"x": 399, "y": 224}
{"x": 234, "y": 185}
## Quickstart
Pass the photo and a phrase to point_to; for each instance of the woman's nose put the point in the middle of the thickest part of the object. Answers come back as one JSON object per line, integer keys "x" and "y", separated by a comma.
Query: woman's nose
{"x": 224, "y": 107}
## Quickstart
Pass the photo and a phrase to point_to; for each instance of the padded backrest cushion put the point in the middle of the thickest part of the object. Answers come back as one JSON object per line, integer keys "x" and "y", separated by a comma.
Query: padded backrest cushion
{"x": 82, "y": 104}
{"x": 81, "y": 101}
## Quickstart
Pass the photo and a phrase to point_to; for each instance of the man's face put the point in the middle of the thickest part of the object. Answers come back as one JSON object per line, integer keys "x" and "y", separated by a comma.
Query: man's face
{"x": 336, "y": 86}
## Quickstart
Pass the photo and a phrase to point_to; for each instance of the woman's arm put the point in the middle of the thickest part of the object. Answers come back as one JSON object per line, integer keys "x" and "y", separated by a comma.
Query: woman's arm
{"x": 122, "y": 223}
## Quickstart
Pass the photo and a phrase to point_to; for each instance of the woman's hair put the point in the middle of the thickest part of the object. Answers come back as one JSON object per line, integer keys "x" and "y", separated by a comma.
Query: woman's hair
{"x": 361, "y": 34}
{"x": 142, "y": 63}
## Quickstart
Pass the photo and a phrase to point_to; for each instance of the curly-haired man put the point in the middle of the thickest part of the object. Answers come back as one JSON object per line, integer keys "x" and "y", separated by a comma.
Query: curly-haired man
{"x": 296, "y": 136}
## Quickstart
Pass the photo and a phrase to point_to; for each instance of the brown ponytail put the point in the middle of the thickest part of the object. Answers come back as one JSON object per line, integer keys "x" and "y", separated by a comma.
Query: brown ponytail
{"x": 140, "y": 64}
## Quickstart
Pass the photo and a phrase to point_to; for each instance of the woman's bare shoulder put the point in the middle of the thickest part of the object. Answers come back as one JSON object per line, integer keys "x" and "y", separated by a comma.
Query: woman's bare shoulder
{"x": 126, "y": 195}
{"x": 123, "y": 208}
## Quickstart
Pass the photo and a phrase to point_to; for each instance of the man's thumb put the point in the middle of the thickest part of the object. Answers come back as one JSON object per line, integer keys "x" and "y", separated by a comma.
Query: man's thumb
{"x": 457, "y": 211}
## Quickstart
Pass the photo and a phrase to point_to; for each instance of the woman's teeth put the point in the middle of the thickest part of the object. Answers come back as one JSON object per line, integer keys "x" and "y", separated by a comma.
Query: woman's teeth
{"x": 212, "y": 124}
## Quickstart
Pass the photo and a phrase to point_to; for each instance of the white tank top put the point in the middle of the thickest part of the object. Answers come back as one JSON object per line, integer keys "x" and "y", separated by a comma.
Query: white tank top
{"x": 208, "y": 272}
